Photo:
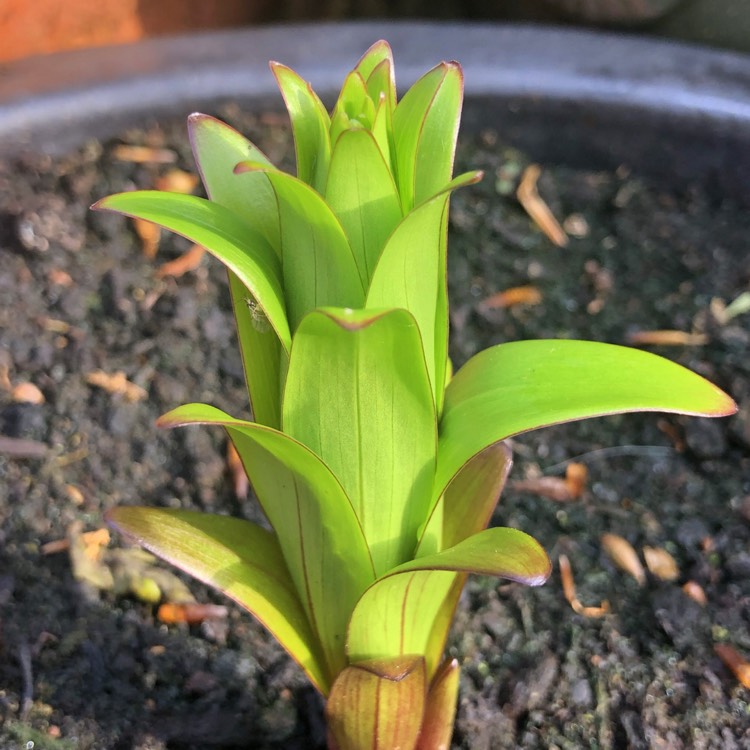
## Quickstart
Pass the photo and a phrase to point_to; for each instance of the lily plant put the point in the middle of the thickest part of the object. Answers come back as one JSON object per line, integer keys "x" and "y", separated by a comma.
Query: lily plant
{"x": 377, "y": 469}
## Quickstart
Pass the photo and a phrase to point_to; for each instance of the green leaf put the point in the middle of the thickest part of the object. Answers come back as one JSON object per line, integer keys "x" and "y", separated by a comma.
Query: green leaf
{"x": 354, "y": 108}
{"x": 217, "y": 149}
{"x": 318, "y": 265}
{"x": 357, "y": 394}
{"x": 318, "y": 531}
{"x": 241, "y": 248}
{"x": 396, "y": 613}
{"x": 412, "y": 271}
{"x": 425, "y": 126}
{"x": 310, "y": 124}
{"x": 517, "y": 387}
{"x": 238, "y": 558}
{"x": 378, "y": 705}
{"x": 362, "y": 194}
{"x": 377, "y": 69}
{"x": 467, "y": 504}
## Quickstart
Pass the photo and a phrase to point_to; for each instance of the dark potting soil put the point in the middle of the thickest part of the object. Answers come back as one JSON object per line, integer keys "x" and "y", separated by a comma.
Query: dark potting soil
{"x": 82, "y": 668}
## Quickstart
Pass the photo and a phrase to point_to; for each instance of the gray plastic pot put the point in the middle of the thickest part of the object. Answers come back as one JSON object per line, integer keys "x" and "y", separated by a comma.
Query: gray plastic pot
{"x": 673, "y": 111}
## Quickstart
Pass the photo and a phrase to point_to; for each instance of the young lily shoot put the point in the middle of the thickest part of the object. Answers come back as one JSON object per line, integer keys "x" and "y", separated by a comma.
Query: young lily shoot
{"x": 376, "y": 467}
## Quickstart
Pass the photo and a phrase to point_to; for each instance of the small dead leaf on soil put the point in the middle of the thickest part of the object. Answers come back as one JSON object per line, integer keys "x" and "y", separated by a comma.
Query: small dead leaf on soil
{"x": 517, "y": 295}
{"x": 116, "y": 383}
{"x": 695, "y": 592}
{"x": 559, "y": 489}
{"x": 240, "y": 481}
{"x": 176, "y": 181}
{"x": 537, "y": 209}
{"x": 188, "y": 261}
{"x": 666, "y": 338}
{"x": 58, "y": 277}
{"x": 191, "y": 613}
{"x": 92, "y": 542}
{"x": 149, "y": 235}
{"x": 675, "y": 434}
{"x": 144, "y": 154}
{"x": 569, "y": 590}
{"x": 735, "y": 662}
{"x": 661, "y": 563}
{"x": 622, "y": 554}
{"x": 27, "y": 393}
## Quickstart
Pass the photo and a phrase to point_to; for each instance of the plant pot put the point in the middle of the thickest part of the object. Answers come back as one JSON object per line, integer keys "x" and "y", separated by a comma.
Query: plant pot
{"x": 80, "y": 298}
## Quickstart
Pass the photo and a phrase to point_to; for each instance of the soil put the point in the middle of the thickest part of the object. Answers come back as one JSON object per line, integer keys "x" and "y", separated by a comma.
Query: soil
{"x": 87, "y": 669}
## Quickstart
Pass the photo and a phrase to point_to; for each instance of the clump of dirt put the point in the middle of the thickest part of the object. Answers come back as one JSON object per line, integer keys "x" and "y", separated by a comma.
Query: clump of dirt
{"x": 86, "y": 669}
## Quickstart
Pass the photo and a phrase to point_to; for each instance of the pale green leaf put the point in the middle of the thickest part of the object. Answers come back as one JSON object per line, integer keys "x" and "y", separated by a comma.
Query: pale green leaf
{"x": 318, "y": 265}
{"x": 396, "y": 613}
{"x": 318, "y": 531}
{"x": 377, "y": 69}
{"x": 354, "y": 108}
{"x": 412, "y": 271}
{"x": 357, "y": 394}
{"x": 240, "y": 247}
{"x": 310, "y": 124}
{"x": 425, "y": 126}
{"x": 362, "y": 194}
{"x": 517, "y": 387}
{"x": 218, "y": 148}
{"x": 239, "y": 559}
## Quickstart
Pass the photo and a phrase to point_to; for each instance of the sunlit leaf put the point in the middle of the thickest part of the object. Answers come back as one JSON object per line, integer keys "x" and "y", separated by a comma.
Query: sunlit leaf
{"x": 362, "y": 194}
{"x": 239, "y": 559}
{"x": 354, "y": 108}
{"x": 377, "y": 69}
{"x": 425, "y": 126}
{"x": 411, "y": 272}
{"x": 318, "y": 265}
{"x": 310, "y": 124}
{"x": 517, "y": 387}
{"x": 240, "y": 247}
{"x": 378, "y": 705}
{"x": 440, "y": 709}
{"x": 357, "y": 395}
{"x": 396, "y": 613}
{"x": 318, "y": 531}
{"x": 217, "y": 149}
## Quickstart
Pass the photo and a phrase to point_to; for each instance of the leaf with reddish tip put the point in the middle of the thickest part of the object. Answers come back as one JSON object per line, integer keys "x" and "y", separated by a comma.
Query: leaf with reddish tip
{"x": 225, "y": 234}
{"x": 517, "y": 387}
{"x": 378, "y": 704}
{"x": 425, "y": 127}
{"x": 357, "y": 395}
{"x": 310, "y": 123}
{"x": 396, "y": 613}
{"x": 377, "y": 69}
{"x": 318, "y": 531}
{"x": 239, "y": 559}
{"x": 440, "y": 711}
{"x": 217, "y": 149}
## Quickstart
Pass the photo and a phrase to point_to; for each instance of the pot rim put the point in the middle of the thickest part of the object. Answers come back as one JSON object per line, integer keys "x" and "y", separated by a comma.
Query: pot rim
{"x": 676, "y": 112}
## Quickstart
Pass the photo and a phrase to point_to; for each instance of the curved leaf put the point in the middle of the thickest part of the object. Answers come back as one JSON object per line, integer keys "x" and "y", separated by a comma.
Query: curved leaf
{"x": 239, "y": 559}
{"x": 217, "y": 149}
{"x": 396, "y": 613}
{"x": 412, "y": 271}
{"x": 318, "y": 532}
{"x": 440, "y": 711}
{"x": 310, "y": 124}
{"x": 240, "y": 247}
{"x": 357, "y": 395}
{"x": 377, "y": 69}
{"x": 318, "y": 266}
{"x": 362, "y": 194}
{"x": 354, "y": 108}
{"x": 517, "y": 387}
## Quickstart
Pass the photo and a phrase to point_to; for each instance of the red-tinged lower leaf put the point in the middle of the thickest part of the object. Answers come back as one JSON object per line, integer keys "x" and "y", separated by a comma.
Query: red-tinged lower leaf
{"x": 513, "y": 388}
{"x": 440, "y": 712}
{"x": 397, "y": 613}
{"x": 378, "y": 705}
{"x": 319, "y": 535}
{"x": 239, "y": 559}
